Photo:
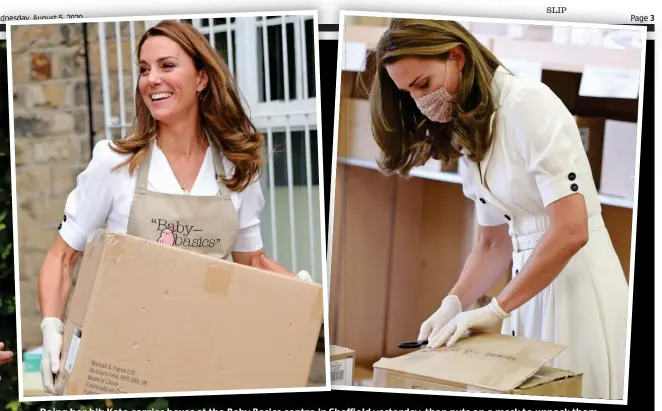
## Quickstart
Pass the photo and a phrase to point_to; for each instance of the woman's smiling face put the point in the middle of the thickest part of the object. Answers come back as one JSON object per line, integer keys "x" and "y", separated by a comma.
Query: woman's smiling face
{"x": 169, "y": 81}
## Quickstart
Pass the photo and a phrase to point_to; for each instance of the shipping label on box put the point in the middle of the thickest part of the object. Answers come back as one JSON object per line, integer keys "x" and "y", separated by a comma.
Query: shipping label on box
{"x": 148, "y": 317}
{"x": 342, "y": 366}
{"x": 493, "y": 363}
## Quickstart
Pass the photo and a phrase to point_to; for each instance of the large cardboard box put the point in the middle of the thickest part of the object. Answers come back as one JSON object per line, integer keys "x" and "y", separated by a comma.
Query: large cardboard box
{"x": 147, "y": 317}
{"x": 493, "y": 363}
{"x": 342, "y": 365}
{"x": 619, "y": 159}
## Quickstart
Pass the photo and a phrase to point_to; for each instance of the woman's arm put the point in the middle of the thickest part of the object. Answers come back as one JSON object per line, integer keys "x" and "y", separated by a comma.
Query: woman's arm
{"x": 55, "y": 279}
{"x": 487, "y": 262}
{"x": 567, "y": 234}
{"x": 258, "y": 259}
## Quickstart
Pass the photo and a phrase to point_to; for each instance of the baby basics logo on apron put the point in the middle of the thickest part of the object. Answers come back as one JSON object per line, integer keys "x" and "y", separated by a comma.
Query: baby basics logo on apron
{"x": 182, "y": 235}
{"x": 205, "y": 224}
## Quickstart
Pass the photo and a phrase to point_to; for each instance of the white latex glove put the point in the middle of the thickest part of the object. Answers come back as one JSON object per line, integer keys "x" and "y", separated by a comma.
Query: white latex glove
{"x": 304, "y": 276}
{"x": 51, "y": 329}
{"x": 479, "y": 319}
{"x": 450, "y": 307}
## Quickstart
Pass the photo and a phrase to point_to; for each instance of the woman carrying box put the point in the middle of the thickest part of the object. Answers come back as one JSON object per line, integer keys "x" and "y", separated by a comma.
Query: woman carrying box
{"x": 438, "y": 93}
{"x": 187, "y": 177}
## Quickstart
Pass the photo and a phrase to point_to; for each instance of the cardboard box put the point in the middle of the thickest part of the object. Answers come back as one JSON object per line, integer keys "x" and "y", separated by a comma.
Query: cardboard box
{"x": 591, "y": 130}
{"x": 355, "y": 139}
{"x": 493, "y": 363}
{"x": 342, "y": 365}
{"x": 146, "y": 317}
{"x": 619, "y": 159}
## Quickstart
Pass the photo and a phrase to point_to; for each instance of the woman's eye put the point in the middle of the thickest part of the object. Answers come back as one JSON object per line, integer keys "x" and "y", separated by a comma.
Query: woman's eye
{"x": 168, "y": 65}
{"x": 424, "y": 85}
{"x": 143, "y": 70}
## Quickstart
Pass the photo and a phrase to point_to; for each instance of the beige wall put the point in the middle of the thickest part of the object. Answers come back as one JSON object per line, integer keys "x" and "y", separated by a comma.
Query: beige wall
{"x": 51, "y": 125}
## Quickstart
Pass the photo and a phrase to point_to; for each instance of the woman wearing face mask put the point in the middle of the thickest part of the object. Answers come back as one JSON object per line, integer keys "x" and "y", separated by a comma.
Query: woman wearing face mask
{"x": 193, "y": 161}
{"x": 438, "y": 93}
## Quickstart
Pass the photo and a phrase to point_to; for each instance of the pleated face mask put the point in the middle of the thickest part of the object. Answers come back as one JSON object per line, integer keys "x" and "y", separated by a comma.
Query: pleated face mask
{"x": 438, "y": 105}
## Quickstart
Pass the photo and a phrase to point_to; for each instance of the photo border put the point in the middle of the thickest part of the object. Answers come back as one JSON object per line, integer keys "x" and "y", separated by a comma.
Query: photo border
{"x": 332, "y": 195}
{"x": 320, "y": 165}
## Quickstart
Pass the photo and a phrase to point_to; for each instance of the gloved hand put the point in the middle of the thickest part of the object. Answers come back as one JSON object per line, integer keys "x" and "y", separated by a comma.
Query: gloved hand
{"x": 51, "y": 329}
{"x": 450, "y": 307}
{"x": 479, "y": 319}
{"x": 304, "y": 276}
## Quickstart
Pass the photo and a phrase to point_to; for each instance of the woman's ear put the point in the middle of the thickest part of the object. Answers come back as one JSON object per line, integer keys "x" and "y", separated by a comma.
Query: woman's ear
{"x": 457, "y": 55}
{"x": 203, "y": 79}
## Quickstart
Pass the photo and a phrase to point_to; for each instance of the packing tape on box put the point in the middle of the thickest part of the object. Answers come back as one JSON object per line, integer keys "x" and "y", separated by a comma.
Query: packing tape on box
{"x": 118, "y": 249}
{"x": 217, "y": 279}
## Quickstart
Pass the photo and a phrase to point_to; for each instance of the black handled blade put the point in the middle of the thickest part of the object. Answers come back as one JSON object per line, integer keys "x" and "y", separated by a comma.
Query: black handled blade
{"x": 413, "y": 344}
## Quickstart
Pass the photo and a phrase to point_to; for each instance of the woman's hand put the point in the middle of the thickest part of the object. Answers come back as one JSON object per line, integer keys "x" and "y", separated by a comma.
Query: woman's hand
{"x": 258, "y": 259}
{"x": 5, "y": 355}
{"x": 303, "y": 275}
{"x": 480, "y": 319}
{"x": 51, "y": 329}
{"x": 450, "y": 307}
{"x": 487, "y": 263}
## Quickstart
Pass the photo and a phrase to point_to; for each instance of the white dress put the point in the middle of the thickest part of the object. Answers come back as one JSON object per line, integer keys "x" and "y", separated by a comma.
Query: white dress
{"x": 102, "y": 197}
{"x": 537, "y": 158}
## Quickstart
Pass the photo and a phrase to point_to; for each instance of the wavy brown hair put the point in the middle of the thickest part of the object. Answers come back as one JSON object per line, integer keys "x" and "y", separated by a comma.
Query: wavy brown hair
{"x": 222, "y": 117}
{"x": 406, "y": 137}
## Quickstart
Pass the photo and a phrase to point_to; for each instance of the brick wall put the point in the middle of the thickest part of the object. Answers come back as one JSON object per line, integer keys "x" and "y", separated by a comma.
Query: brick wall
{"x": 51, "y": 125}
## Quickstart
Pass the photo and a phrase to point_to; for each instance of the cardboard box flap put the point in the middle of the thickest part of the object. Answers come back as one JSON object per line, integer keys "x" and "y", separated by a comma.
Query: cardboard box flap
{"x": 546, "y": 375}
{"x": 337, "y": 350}
{"x": 489, "y": 361}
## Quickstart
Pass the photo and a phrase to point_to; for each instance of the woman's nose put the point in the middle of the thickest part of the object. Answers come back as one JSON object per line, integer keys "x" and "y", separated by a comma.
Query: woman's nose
{"x": 416, "y": 94}
{"x": 153, "y": 77}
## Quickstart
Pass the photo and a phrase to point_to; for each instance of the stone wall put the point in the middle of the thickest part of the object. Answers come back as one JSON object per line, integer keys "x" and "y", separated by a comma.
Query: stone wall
{"x": 52, "y": 134}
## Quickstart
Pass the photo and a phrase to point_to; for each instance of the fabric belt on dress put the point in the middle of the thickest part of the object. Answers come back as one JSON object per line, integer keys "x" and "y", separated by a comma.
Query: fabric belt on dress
{"x": 529, "y": 242}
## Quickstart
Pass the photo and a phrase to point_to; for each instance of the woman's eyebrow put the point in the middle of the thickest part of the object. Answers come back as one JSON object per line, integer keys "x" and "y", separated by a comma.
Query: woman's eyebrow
{"x": 415, "y": 80}
{"x": 412, "y": 83}
{"x": 160, "y": 59}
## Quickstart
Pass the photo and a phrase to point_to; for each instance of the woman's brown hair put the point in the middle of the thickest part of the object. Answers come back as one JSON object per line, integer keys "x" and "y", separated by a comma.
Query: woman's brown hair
{"x": 223, "y": 119}
{"x": 406, "y": 137}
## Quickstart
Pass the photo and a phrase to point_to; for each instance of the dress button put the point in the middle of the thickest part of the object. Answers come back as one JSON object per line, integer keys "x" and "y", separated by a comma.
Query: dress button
{"x": 513, "y": 333}
{"x": 482, "y": 200}
{"x": 64, "y": 218}
{"x": 59, "y": 226}
{"x": 516, "y": 271}
{"x": 574, "y": 187}
{"x": 572, "y": 176}
{"x": 507, "y": 217}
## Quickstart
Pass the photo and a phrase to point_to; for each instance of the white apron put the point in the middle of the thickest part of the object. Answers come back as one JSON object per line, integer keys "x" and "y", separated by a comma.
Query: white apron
{"x": 537, "y": 157}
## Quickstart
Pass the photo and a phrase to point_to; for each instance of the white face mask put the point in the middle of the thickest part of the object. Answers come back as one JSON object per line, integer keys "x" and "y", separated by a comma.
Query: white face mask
{"x": 437, "y": 106}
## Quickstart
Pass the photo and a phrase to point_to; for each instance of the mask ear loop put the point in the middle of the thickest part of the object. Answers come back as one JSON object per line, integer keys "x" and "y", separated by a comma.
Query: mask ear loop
{"x": 446, "y": 77}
